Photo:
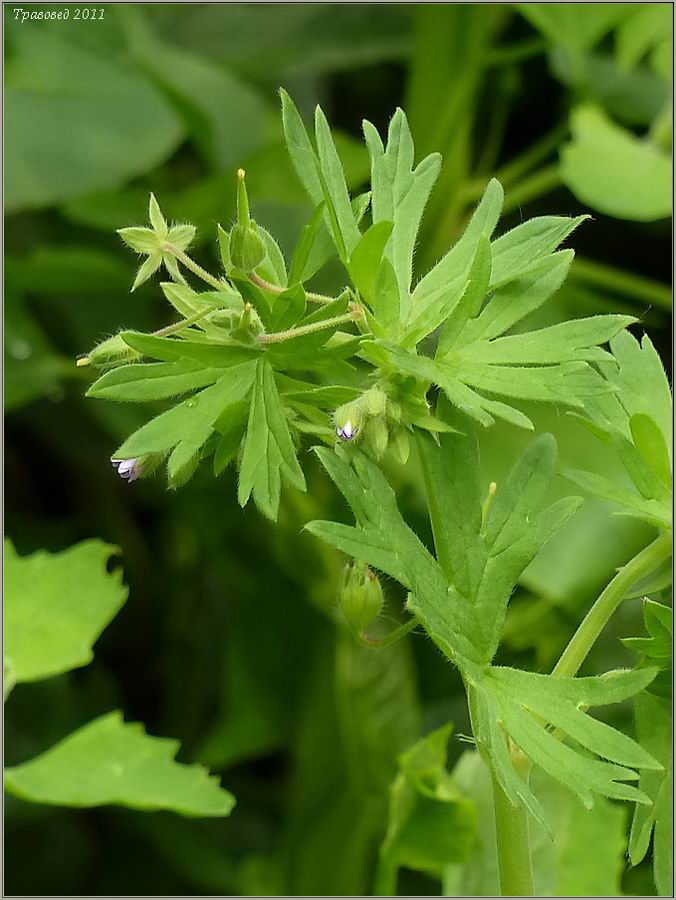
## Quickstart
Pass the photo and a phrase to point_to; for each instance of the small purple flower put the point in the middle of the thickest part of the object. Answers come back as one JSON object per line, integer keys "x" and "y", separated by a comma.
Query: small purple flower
{"x": 129, "y": 469}
{"x": 346, "y": 432}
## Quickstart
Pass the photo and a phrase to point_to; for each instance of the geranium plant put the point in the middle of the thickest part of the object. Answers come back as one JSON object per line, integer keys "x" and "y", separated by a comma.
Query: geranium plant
{"x": 259, "y": 367}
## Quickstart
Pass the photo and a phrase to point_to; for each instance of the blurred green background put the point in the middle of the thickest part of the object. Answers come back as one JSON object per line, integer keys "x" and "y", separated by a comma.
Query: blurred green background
{"x": 228, "y": 642}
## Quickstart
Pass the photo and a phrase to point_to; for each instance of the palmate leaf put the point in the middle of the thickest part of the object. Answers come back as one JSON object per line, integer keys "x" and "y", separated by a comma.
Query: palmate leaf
{"x": 518, "y": 705}
{"x": 399, "y": 193}
{"x": 184, "y": 429}
{"x": 56, "y": 606}
{"x": 108, "y": 762}
{"x": 636, "y": 420}
{"x": 269, "y": 455}
{"x": 461, "y": 599}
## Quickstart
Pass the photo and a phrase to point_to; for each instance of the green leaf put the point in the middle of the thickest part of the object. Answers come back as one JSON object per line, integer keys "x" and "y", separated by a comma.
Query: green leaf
{"x": 472, "y": 298}
{"x": 92, "y": 133}
{"x": 654, "y": 730}
{"x": 189, "y": 425}
{"x": 525, "y": 702}
{"x": 300, "y": 149}
{"x": 569, "y": 341}
{"x": 273, "y": 267}
{"x": 437, "y": 293}
{"x": 170, "y": 349}
{"x": 641, "y": 396}
{"x": 650, "y": 443}
{"x": 306, "y": 242}
{"x": 366, "y": 257}
{"x": 138, "y": 383}
{"x": 56, "y": 606}
{"x": 521, "y": 296}
{"x": 109, "y": 762}
{"x": 641, "y": 32}
{"x": 461, "y": 600}
{"x": 289, "y": 308}
{"x": 269, "y": 455}
{"x": 399, "y": 194}
{"x": 595, "y": 164}
{"x": 516, "y": 251}
{"x": 457, "y": 375}
{"x": 655, "y": 512}
{"x": 431, "y": 825}
{"x": 452, "y": 477}
{"x": 574, "y": 27}
{"x": 656, "y": 650}
{"x": 346, "y": 231}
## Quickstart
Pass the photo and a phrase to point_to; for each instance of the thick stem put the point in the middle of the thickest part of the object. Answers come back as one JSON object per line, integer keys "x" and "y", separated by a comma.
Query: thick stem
{"x": 194, "y": 267}
{"x": 511, "y": 823}
{"x": 595, "y": 621}
{"x": 385, "y": 882}
{"x": 513, "y": 841}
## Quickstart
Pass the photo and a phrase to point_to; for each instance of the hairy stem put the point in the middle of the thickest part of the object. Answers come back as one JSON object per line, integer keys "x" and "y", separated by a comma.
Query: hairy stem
{"x": 177, "y": 326}
{"x": 276, "y": 337}
{"x": 596, "y": 619}
{"x": 322, "y": 299}
{"x": 511, "y": 823}
{"x": 513, "y": 841}
{"x": 194, "y": 267}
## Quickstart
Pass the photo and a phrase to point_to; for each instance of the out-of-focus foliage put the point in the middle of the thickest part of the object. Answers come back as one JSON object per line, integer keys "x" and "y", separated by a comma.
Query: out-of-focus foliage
{"x": 56, "y": 607}
{"x": 229, "y": 640}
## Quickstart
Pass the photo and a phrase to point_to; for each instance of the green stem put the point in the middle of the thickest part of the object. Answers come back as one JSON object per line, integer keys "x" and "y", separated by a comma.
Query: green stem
{"x": 275, "y": 289}
{"x": 390, "y": 638}
{"x": 276, "y": 337}
{"x": 513, "y": 840}
{"x": 194, "y": 267}
{"x": 511, "y": 823}
{"x": 595, "y": 621}
{"x": 385, "y": 881}
{"x": 177, "y": 326}
{"x": 590, "y": 272}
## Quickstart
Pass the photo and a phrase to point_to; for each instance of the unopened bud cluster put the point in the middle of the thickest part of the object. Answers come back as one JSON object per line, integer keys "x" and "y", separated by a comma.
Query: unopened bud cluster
{"x": 361, "y": 597}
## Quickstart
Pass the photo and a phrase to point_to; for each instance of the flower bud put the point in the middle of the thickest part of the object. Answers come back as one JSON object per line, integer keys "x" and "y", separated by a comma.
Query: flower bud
{"x": 348, "y": 419}
{"x": 247, "y": 249}
{"x": 376, "y": 437}
{"x": 111, "y": 352}
{"x": 361, "y": 597}
{"x": 246, "y": 246}
{"x": 401, "y": 445}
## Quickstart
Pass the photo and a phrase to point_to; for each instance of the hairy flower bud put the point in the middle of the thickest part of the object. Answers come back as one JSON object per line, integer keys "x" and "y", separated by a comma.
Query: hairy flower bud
{"x": 246, "y": 246}
{"x": 111, "y": 352}
{"x": 361, "y": 596}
